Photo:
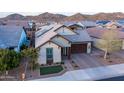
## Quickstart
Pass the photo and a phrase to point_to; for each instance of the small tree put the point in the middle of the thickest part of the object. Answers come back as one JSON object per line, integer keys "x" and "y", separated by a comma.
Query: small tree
{"x": 9, "y": 59}
{"x": 110, "y": 42}
{"x": 3, "y": 67}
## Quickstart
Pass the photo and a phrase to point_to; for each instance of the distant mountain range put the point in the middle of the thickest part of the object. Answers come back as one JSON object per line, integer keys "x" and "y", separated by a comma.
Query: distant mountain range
{"x": 45, "y": 17}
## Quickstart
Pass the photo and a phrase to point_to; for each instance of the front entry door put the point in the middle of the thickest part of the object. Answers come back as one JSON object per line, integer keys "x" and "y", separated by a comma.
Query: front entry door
{"x": 49, "y": 55}
{"x": 64, "y": 51}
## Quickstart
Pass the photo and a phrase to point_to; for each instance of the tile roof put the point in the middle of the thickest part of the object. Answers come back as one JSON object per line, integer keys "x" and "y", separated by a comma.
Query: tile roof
{"x": 121, "y": 21}
{"x": 88, "y": 23}
{"x": 98, "y": 32}
{"x": 73, "y": 23}
{"x": 43, "y": 36}
{"x": 102, "y": 22}
{"x": 10, "y": 36}
{"x": 113, "y": 23}
{"x": 58, "y": 43}
{"x": 69, "y": 23}
{"x": 81, "y": 23}
{"x": 17, "y": 23}
{"x": 82, "y": 36}
{"x": 47, "y": 32}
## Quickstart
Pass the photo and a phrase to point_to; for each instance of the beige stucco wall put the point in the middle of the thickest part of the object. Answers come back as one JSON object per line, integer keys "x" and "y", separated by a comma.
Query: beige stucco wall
{"x": 89, "y": 47}
{"x": 56, "y": 53}
{"x": 101, "y": 41}
{"x": 122, "y": 44}
{"x": 96, "y": 41}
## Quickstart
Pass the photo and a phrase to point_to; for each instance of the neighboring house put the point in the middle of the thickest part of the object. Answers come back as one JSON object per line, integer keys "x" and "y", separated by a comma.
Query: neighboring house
{"x": 97, "y": 32}
{"x": 81, "y": 24}
{"x": 113, "y": 25}
{"x": 121, "y": 21}
{"x": 57, "y": 41}
{"x": 29, "y": 27}
{"x": 88, "y": 24}
{"x": 12, "y": 37}
{"x": 102, "y": 22}
{"x": 74, "y": 25}
{"x": 23, "y": 23}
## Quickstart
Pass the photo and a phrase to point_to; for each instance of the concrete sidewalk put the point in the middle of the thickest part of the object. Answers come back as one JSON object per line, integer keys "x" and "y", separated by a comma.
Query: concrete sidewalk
{"x": 89, "y": 74}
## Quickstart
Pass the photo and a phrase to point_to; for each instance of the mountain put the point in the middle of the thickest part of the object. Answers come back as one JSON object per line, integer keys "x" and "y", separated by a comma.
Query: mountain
{"x": 107, "y": 16}
{"x": 77, "y": 17}
{"x": 45, "y": 17}
{"x": 99, "y": 16}
{"x": 14, "y": 17}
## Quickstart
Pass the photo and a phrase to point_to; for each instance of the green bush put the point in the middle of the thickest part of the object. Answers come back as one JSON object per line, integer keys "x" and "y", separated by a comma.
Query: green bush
{"x": 9, "y": 59}
{"x": 50, "y": 70}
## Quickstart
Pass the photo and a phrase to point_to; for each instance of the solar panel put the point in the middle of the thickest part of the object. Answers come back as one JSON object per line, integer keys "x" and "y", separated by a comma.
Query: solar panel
{"x": 43, "y": 31}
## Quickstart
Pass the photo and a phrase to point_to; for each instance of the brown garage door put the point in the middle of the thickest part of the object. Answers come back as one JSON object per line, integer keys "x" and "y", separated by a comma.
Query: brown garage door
{"x": 78, "y": 48}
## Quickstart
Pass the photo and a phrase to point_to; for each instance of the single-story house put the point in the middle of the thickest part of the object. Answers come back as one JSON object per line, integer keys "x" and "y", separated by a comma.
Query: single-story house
{"x": 88, "y": 24}
{"x": 102, "y": 22}
{"x": 12, "y": 37}
{"x": 96, "y": 34}
{"x": 121, "y": 21}
{"x": 28, "y": 26}
{"x": 113, "y": 25}
{"x": 22, "y": 23}
{"x": 57, "y": 41}
{"x": 82, "y": 24}
{"x": 74, "y": 25}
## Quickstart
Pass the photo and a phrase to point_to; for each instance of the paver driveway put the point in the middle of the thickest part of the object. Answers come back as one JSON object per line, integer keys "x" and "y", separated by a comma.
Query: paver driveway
{"x": 86, "y": 61}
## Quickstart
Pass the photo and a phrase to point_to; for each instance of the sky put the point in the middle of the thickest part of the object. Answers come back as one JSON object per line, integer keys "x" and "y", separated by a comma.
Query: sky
{"x": 67, "y": 7}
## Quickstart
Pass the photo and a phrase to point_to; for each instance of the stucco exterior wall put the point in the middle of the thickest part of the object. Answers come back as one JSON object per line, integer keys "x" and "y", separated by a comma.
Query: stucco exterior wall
{"x": 89, "y": 47}
{"x": 122, "y": 44}
{"x": 56, "y": 53}
{"x": 96, "y": 42}
{"x": 101, "y": 41}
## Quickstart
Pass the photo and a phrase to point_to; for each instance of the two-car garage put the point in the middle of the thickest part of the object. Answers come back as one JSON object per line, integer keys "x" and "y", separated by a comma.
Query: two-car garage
{"x": 79, "y": 48}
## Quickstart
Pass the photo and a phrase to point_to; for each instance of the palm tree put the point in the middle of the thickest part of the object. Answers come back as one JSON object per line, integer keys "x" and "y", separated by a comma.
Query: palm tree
{"x": 30, "y": 55}
{"x": 33, "y": 61}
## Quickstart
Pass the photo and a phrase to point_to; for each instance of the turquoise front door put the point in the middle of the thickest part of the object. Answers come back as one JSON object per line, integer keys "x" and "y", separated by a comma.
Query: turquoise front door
{"x": 49, "y": 55}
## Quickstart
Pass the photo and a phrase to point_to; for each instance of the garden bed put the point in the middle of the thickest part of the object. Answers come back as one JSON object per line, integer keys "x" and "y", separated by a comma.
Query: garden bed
{"x": 75, "y": 66}
{"x": 50, "y": 70}
{"x": 114, "y": 59}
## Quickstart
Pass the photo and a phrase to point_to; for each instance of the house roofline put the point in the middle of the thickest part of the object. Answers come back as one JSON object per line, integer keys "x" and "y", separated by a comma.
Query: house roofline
{"x": 62, "y": 37}
{"x": 66, "y": 27}
{"x": 47, "y": 42}
{"x": 59, "y": 35}
{"x": 81, "y": 42}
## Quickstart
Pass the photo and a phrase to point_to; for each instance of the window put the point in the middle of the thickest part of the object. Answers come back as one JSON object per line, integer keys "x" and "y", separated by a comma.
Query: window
{"x": 49, "y": 53}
